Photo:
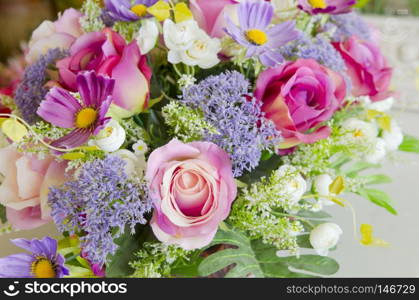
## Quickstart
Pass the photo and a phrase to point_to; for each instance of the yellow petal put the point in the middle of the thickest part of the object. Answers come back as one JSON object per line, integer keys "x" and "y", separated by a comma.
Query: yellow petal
{"x": 385, "y": 122}
{"x": 160, "y": 10}
{"x": 13, "y": 129}
{"x": 337, "y": 201}
{"x": 337, "y": 186}
{"x": 182, "y": 13}
{"x": 73, "y": 155}
{"x": 368, "y": 239}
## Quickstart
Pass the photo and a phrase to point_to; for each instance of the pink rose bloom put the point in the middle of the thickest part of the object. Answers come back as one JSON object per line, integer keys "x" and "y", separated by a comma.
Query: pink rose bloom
{"x": 297, "y": 97}
{"x": 25, "y": 187}
{"x": 107, "y": 53}
{"x": 59, "y": 34}
{"x": 192, "y": 187}
{"x": 367, "y": 68}
{"x": 211, "y": 15}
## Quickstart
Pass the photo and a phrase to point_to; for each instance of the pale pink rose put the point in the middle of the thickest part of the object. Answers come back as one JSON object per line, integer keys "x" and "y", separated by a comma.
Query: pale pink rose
{"x": 25, "y": 187}
{"x": 192, "y": 188}
{"x": 211, "y": 15}
{"x": 59, "y": 34}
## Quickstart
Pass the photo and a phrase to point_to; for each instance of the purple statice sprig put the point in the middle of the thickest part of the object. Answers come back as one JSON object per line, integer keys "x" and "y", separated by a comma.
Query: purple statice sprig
{"x": 99, "y": 205}
{"x": 31, "y": 91}
{"x": 346, "y": 25}
{"x": 242, "y": 130}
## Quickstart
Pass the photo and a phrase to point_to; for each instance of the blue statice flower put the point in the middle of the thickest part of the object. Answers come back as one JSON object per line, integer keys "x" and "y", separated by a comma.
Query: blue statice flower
{"x": 347, "y": 25}
{"x": 242, "y": 130}
{"x": 31, "y": 91}
{"x": 318, "y": 48}
{"x": 99, "y": 204}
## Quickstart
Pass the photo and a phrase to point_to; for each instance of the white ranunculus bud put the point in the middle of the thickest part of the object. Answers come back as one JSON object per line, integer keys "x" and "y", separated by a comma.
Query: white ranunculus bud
{"x": 324, "y": 237}
{"x": 378, "y": 152}
{"x": 111, "y": 138}
{"x": 296, "y": 185}
{"x": 394, "y": 137}
{"x": 147, "y": 35}
{"x": 361, "y": 129}
{"x": 321, "y": 185}
{"x": 180, "y": 36}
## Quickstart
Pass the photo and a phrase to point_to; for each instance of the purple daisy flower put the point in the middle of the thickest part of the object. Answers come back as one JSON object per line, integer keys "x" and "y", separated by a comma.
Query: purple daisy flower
{"x": 43, "y": 262}
{"x": 333, "y": 7}
{"x": 86, "y": 116}
{"x": 127, "y": 10}
{"x": 255, "y": 33}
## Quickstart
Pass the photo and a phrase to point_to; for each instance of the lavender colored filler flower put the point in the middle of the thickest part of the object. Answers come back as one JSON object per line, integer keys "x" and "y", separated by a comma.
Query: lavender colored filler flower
{"x": 243, "y": 132}
{"x": 347, "y": 25}
{"x": 101, "y": 200}
{"x": 31, "y": 91}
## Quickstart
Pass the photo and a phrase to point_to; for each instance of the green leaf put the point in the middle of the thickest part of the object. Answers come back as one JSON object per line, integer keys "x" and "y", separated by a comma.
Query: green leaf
{"x": 361, "y": 3}
{"x": 260, "y": 260}
{"x": 378, "y": 197}
{"x": 304, "y": 241}
{"x": 3, "y": 217}
{"x": 128, "y": 244}
{"x": 375, "y": 179}
{"x": 358, "y": 167}
{"x": 265, "y": 168}
{"x": 188, "y": 268}
{"x": 314, "y": 215}
{"x": 410, "y": 144}
{"x": 153, "y": 123}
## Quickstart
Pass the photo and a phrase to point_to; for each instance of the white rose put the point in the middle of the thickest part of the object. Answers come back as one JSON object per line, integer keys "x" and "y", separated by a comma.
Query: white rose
{"x": 383, "y": 105}
{"x": 111, "y": 138}
{"x": 378, "y": 152}
{"x": 361, "y": 129}
{"x": 135, "y": 165}
{"x": 321, "y": 185}
{"x": 296, "y": 185}
{"x": 147, "y": 35}
{"x": 180, "y": 36}
{"x": 394, "y": 137}
{"x": 324, "y": 237}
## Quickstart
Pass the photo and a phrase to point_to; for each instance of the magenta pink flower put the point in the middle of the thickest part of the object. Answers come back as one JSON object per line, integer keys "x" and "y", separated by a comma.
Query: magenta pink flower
{"x": 211, "y": 15}
{"x": 87, "y": 116}
{"x": 298, "y": 97}
{"x": 334, "y": 7}
{"x": 24, "y": 190}
{"x": 367, "y": 68}
{"x": 192, "y": 188}
{"x": 107, "y": 53}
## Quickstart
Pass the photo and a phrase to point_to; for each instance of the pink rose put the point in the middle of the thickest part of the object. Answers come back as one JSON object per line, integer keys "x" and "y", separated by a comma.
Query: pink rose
{"x": 297, "y": 97}
{"x": 192, "y": 187}
{"x": 367, "y": 68}
{"x": 59, "y": 34}
{"x": 24, "y": 190}
{"x": 107, "y": 53}
{"x": 210, "y": 15}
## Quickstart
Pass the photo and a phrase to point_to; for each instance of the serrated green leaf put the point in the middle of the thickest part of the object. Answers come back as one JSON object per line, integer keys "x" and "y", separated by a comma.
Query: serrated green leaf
{"x": 375, "y": 179}
{"x": 260, "y": 260}
{"x": 378, "y": 197}
{"x": 410, "y": 144}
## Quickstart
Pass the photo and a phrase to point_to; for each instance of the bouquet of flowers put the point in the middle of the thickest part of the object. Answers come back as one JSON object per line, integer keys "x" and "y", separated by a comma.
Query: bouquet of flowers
{"x": 199, "y": 138}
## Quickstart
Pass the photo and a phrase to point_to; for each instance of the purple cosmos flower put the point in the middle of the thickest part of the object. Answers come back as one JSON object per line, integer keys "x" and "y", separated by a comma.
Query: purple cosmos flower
{"x": 127, "y": 10}
{"x": 255, "y": 34}
{"x": 43, "y": 262}
{"x": 333, "y": 7}
{"x": 86, "y": 116}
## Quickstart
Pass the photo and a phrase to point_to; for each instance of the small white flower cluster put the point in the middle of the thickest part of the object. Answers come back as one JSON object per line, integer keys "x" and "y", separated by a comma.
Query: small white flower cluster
{"x": 190, "y": 45}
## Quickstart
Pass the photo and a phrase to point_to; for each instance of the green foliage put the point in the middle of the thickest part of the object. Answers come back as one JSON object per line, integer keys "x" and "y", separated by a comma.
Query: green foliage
{"x": 378, "y": 197}
{"x": 264, "y": 169}
{"x": 410, "y": 144}
{"x": 92, "y": 16}
{"x": 118, "y": 264}
{"x": 254, "y": 258}
{"x": 127, "y": 29}
{"x": 156, "y": 131}
{"x": 3, "y": 218}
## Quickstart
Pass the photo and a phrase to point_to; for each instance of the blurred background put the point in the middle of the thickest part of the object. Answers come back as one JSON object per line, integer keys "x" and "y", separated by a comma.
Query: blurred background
{"x": 397, "y": 24}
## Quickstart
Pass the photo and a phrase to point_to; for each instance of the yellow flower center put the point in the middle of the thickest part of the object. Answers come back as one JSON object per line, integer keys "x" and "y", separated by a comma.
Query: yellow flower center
{"x": 358, "y": 133}
{"x": 257, "y": 37}
{"x": 43, "y": 268}
{"x": 139, "y": 9}
{"x": 318, "y": 3}
{"x": 86, "y": 117}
